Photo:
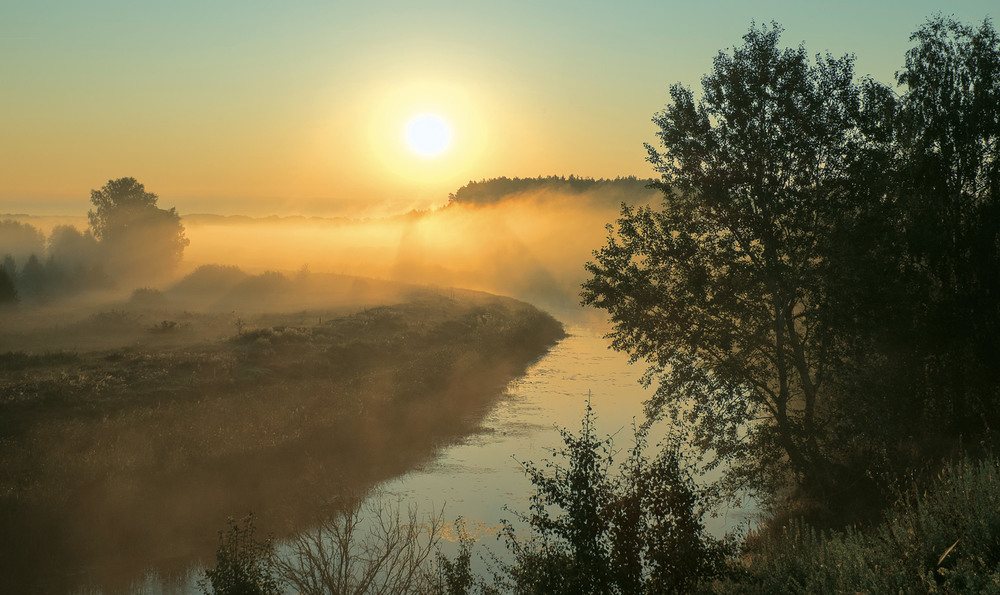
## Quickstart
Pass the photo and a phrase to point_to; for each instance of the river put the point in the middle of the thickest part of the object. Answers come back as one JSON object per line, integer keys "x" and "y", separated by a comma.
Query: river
{"x": 476, "y": 478}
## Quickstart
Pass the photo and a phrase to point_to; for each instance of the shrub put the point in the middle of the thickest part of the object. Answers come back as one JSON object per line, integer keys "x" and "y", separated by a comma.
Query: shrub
{"x": 370, "y": 548}
{"x": 637, "y": 531}
{"x": 210, "y": 279}
{"x": 244, "y": 565}
{"x": 454, "y": 576}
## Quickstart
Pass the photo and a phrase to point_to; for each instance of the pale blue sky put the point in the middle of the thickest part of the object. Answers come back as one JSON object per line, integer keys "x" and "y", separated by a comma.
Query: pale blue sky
{"x": 264, "y": 106}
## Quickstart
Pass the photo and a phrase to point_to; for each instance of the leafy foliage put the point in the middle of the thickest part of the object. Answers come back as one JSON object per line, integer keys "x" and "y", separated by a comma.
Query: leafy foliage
{"x": 455, "y": 576}
{"x": 722, "y": 290}
{"x": 949, "y": 212}
{"x": 637, "y": 531}
{"x": 244, "y": 565}
{"x": 822, "y": 280}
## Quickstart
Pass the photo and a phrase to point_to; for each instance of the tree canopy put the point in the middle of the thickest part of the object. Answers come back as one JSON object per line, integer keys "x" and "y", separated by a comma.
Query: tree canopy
{"x": 139, "y": 238}
{"x": 818, "y": 234}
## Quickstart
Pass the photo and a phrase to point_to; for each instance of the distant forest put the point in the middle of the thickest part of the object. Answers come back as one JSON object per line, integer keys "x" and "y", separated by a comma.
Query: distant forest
{"x": 629, "y": 189}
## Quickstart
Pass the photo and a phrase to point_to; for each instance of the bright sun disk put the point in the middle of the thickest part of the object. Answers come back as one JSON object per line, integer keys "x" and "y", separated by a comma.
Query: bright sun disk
{"x": 428, "y": 135}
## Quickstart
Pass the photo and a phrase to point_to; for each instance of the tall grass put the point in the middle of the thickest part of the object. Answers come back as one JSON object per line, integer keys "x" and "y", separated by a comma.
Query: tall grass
{"x": 943, "y": 539}
{"x": 148, "y": 444}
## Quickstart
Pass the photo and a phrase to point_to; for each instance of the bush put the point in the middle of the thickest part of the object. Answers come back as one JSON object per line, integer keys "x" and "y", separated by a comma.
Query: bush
{"x": 244, "y": 565}
{"x": 454, "y": 577}
{"x": 210, "y": 278}
{"x": 637, "y": 531}
{"x": 370, "y": 548}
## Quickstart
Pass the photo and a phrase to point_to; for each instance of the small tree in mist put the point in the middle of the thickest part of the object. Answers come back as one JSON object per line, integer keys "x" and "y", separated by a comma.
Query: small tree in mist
{"x": 20, "y": 241}
{"x": 72, "y": 250}
{"x": 8, "y": 293}
{"x": 33, "y": 279}
{"x": 138, "y": 238}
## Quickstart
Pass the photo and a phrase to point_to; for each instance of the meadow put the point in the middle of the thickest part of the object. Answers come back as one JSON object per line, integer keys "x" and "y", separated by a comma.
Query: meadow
{"x": 130, "y": 430}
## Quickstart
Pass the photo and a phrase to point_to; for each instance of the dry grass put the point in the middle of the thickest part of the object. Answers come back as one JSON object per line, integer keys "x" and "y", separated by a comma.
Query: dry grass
{"x": 136, "y": 453}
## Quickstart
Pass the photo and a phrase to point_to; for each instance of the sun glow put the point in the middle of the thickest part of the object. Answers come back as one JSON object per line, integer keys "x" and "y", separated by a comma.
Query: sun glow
{"x": 428, "y": 135}
{"x": 424, "y": 135}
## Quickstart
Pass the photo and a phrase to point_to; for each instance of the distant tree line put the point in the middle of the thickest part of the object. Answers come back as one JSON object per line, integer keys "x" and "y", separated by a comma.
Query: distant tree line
{"x": 129, "y": 240}
{"x": 629, "y": 189}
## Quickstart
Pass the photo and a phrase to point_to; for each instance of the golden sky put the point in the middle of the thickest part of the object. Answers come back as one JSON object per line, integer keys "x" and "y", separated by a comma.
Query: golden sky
{"x": 258, "y": 107}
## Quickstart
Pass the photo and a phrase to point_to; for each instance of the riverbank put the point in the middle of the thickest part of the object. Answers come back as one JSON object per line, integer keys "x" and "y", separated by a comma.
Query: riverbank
{"x": 118, "y": 460}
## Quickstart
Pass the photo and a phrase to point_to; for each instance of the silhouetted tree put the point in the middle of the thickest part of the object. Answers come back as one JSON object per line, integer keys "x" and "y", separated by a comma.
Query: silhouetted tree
{"x": 722, "y": 290}
{"x": 923, "y": 306}
{"x": 32, "y": 279}
{"x": 8, "y": 293}
{"x": 949, "y": 139}
{"x": 137, "y": 238}
{"x": 821, "y": 290}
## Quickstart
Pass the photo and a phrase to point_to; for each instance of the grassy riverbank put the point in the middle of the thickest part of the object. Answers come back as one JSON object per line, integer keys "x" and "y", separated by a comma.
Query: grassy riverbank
{"x": 114, "y": 458}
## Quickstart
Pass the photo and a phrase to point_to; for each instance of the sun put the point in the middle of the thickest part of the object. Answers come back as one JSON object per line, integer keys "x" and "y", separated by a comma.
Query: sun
{"x": 428, "y": 135}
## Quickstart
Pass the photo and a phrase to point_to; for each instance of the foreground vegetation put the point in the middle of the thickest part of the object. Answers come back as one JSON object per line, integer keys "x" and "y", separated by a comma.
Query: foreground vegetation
{"x": 598, "y": 524}
{"x": 163, "y": 438}
{"x": 938, "y": 537}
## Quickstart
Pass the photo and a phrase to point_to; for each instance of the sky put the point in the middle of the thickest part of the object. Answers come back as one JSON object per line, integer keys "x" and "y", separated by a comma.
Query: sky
{"x": 302, "y": 107}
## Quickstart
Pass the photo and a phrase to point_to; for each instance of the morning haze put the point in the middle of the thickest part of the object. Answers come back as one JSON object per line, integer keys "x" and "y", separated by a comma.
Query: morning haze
{"x": 448, "y": 298}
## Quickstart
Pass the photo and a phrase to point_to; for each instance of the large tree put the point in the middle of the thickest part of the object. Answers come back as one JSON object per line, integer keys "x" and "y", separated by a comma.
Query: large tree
{"x": 725, "y": 291}
{"x": 139, "y": 239}
{"x": 949, "y": 141}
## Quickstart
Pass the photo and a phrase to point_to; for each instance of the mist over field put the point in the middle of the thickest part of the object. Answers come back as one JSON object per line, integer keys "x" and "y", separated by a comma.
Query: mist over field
{"x": 280, "y": 354}
{"x": 531, "y": 246}
{"x": 528, "y": 239}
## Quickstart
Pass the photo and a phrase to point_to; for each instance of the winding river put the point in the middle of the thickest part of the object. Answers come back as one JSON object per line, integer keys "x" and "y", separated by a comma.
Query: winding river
{"x": 475, "y": 478}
